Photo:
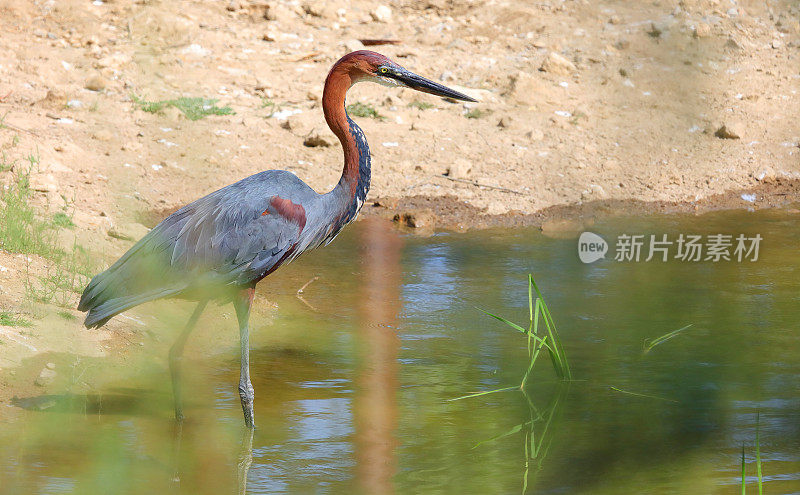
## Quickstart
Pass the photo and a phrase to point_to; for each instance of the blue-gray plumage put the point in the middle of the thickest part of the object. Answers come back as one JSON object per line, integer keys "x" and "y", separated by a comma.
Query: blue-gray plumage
{"x": 221, "y": 245}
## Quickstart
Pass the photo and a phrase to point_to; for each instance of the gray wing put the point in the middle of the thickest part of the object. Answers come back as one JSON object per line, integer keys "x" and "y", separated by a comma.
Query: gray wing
{"x": 232, "y": 237}
{"x": 239, "y": 235}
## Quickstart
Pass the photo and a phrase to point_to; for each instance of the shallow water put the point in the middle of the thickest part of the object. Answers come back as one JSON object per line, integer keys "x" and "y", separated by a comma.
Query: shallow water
{"x": 352, "y": 385}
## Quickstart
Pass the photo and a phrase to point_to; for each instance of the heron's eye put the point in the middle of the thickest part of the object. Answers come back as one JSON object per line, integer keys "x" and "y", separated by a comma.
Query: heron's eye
{"x": 383, "y": 70}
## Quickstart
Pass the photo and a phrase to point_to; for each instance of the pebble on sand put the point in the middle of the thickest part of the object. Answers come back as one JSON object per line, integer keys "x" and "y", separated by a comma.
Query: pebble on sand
{"x": 382, "y": 13}
{"x": 459, "y": 169}
{"x": 555, "y": 63}
{"x": 96, "y": 82}
{"x": 318, "y": 138}
{"x": 730, "y": 130}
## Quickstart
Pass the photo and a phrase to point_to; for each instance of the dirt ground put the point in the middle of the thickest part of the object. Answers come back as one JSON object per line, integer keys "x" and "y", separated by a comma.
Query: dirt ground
{"x": 585, "y": 108}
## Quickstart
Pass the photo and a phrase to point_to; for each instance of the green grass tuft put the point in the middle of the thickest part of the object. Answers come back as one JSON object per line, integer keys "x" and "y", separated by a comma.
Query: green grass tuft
{"x": 477, "y": 113}
{"x": 193, "y": 108}
{"x": 271, "y": 105}
{"x": 67, "y": 315}
{"x": 364, "y": 110}
{"x": 21, "y": 230}
{"x": 422, "y": 105}
{"x": 538, "y": 339}
{"x": 4, "y": 163}
{"x": 11, "y": 320}
{"x": 64, "y": 279}
{"x": 62, "y": 220}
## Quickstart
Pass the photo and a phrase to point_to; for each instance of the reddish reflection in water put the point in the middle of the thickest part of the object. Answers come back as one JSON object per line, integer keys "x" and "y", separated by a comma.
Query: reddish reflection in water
{"x": 375, "y": 404}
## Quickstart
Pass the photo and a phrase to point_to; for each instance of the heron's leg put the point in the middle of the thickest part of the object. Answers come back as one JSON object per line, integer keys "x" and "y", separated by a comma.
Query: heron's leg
{"x": 245, "y": 460}
{"x": 242, "y": 303}
{"x": 176, "y": 452}
{"x": 176, "y": 356}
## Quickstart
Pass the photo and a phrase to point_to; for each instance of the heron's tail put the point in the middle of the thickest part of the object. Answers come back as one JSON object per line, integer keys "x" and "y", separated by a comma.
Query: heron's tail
{"x": 116, "y": 290}
{"x": 99, "y": 314}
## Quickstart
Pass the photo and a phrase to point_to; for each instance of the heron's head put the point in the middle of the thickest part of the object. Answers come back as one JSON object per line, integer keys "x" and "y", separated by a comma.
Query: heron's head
{"x": 365, "y": 65}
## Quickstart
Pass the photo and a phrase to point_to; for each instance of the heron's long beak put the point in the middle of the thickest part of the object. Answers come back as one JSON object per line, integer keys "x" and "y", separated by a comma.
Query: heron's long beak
{"x": 419, "y": 83}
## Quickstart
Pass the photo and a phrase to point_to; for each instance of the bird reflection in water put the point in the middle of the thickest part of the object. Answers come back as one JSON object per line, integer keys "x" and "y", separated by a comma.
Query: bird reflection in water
{"x": 375, "y": 406}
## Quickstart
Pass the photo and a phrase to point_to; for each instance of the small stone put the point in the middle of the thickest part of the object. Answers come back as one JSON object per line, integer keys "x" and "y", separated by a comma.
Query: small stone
{"x": 96, "y": 82}
{"x": 130, "y": 232}
{"x": 417, "y": 219}
{"x": 113, "y": 61}
{"x": 45, "y": 378}
{"x": 777, "y": 44}
{"x": 43, "y": 183}
{"x": 655, "y": 31}
{"x": 730, "y": 130}
{"x": 732, "y": 44}
{"x": 319, "y": 8}
{"x": 389, "y": 203}
{"x": 505, "y": 122}
{"x": 269, "y": 36}
{"x": 594, "y": 192}
{"x": 382, "y": 13}
{"x": 766, "y": 175}
{"x": 622, "y": 44}
{"x": 318, "y": 138}
{"x": 557, "y": 64}
{"x": 787, "y": 25}
{"x": 391, "y": 101}
{"x": 55, "y": 98}
{"x": 535, "y": 135}
{"x": 615, "y": 19}
{"x": 302, "y": 125}
{"x": 50, "y": 366}
{"x": 279, "y": 13}
{"x": 701, "y": 30}
{"x": 459, "y": 169}
{"x": 131, "y": 146}
{"x": 262, "y": 84}
{"x": 526, "y": 89}
{"x": 353, "y": 45}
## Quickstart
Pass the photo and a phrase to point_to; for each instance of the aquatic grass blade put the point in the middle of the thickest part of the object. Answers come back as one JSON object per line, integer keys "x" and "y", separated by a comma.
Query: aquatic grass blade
{"x": 615, "y": 389}
{"x": 649, "y": 344}
{"x": 510, "y": 432}
{"x": 557, "y": 353}
{"x": 534, "y": 322}
{"x": 537, "y": 311}
{"x": 744, "y": 486}
{"x": 512, "y": 325}
{"x": 758, "y": 455}
{"x": 507, "y": 322}
{"x": 478, "y": 394}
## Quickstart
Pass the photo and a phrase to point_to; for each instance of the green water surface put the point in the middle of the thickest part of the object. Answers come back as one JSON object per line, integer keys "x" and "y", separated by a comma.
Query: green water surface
{"x": 352, "y": 382}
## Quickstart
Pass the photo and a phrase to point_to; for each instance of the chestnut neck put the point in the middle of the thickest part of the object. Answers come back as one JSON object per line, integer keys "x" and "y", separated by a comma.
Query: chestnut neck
{"x": 354, "y": 183}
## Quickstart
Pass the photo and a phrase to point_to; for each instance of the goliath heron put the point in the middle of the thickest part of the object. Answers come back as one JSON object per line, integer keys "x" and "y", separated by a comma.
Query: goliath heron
{"x": 219, "y": 246}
